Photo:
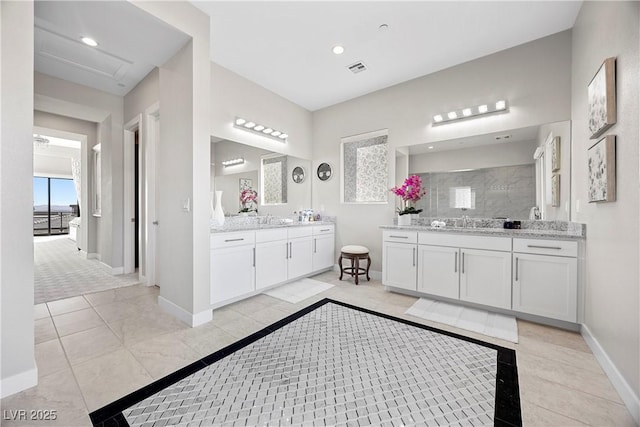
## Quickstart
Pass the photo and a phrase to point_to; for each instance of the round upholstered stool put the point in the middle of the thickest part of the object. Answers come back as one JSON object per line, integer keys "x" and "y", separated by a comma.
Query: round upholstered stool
{"x": 355, "y": 253}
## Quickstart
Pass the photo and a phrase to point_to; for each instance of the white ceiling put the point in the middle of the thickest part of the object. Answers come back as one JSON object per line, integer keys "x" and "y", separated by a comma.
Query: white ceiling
{"x": 286, "y": 46}
{"x": 131, "y": 43}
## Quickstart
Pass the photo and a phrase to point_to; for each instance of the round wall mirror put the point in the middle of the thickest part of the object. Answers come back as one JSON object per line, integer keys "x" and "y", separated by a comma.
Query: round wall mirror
{"x": 298, "y": 174}
{"x": 324, "y": 171}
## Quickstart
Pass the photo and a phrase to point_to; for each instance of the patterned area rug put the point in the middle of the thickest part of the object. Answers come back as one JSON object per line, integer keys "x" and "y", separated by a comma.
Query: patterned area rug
{"x": 472, "y": 319}
{"x": 299, "y": 290}
{"x": 334, "y": 364}
{"x": 60, "y": 271}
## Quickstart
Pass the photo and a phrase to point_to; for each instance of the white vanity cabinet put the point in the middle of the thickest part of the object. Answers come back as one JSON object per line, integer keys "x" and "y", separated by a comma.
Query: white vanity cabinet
{"x": 272, "y": 257}
{"x": 470, "y": 268}
{"x": 545, "y": 278}
{"x": 300, "y": 252}
{"x": 399, "y": 259}
{"x": 323, "y": 246}
{"x": 232, "y": 265}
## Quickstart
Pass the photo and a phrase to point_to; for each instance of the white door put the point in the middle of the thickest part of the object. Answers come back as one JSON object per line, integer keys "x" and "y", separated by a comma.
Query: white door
{"x": 485, "y": 277}
{"x": 399, "y": 265}
{"x": 438, "y": 271}
{"x": 300, "y": 257}
{"x": 152, "y": 222}
{"x": 323, "y": 252}
{"x": 232, "y": 272}
{"x": 271, "y": 263}
{"x": 546, "y": 286}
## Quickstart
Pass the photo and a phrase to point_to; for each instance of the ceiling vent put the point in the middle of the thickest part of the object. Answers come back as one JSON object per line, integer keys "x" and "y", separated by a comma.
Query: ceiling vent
{"x": 358, "y": 67}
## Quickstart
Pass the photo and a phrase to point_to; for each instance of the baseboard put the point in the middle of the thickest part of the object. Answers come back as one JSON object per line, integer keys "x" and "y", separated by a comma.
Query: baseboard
{"x": 117, "y": 270}
{"x": 190, "y": 319}
{"x": 19, "y": 382}
{"x": 92, "y": 255}
{"x": 628, "y": 396}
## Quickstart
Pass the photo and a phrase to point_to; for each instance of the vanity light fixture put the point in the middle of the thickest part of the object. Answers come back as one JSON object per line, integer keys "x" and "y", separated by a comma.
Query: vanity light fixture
{"x": 471, "y": 112}
{"x": 233, "y": 162}
{"x": 260, "y": 129}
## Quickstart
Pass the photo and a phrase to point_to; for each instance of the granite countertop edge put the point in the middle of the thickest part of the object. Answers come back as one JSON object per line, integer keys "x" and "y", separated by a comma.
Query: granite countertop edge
{"x": 258, "y": 227}
{"x": 525, "y": 233}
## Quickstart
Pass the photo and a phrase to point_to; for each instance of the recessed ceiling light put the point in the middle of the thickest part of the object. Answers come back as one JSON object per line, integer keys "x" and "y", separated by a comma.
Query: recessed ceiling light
{"x": 89, "y": 41}
{"x": 338, "y": 50}
{"x": 258, "y": 128}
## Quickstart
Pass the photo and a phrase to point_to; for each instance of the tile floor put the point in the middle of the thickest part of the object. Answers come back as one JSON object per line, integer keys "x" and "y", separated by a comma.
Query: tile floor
{"x": 93, "y": 349}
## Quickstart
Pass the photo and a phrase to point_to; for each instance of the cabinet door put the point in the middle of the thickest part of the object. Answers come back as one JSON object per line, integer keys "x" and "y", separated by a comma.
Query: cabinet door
{"x": 546, "y": 286}
{"x": 485, "y": 277}
{"x": 438, "y": 268}
{"x": 399, "y": 265}
{"x": 300, "y": 257}
{"x": 323, "y": 252}
{"x": 271, "y": 263}
{"x": 232, "y": 272}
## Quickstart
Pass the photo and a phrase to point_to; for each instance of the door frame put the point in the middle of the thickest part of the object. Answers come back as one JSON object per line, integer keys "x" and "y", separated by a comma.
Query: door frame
{"x": 148, "y": 127}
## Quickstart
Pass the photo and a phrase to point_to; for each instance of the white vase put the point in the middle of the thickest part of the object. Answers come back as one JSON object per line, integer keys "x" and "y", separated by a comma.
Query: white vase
{"x": 404, "y": 219}
{"x": 218, "y": 213}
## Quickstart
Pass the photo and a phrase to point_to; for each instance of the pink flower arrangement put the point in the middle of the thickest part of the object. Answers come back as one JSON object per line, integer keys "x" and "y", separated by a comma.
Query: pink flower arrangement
{"x": 248, "y": 197}
{"x": 410, "y": 191}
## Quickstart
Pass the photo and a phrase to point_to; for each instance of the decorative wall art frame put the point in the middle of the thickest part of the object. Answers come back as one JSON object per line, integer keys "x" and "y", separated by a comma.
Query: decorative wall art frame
{"x": 324, "y": 172}
{"x": 245, "y": 183}
{"x": 555, "y": 154}
{"x": 298, "y": 174}
{"x": 555, "y": 190}
{"x": 601, "y": 96}
{"x": 602, "y": 170}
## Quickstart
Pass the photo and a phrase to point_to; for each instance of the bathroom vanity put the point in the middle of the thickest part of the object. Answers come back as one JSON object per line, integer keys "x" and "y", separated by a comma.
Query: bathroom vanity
{"x": 529, "y": 272}
{"x": 247, "y": 261}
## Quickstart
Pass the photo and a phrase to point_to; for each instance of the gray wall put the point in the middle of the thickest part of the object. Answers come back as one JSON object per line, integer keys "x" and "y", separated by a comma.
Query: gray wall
{"x": 536, "y": 95}
{"x": 605, "y": 29}
{"x": 17, "y": 364}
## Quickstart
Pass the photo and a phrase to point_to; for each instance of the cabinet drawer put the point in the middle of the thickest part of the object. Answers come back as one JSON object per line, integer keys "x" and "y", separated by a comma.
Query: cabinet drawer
{"x": 271, "y": 235}
{"x": 463, "y": 241}
{"x": 228, "y": 240}
{"x": 400, "y": 236}
{"x": 322, "y": 229}
{"x": 546, "y": 247}
{"x": 302, "y": 231}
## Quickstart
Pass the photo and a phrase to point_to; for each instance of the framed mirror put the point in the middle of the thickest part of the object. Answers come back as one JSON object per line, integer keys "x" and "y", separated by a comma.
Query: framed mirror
{"x": 298, "y": 174}
{"x": 324, "y": 171}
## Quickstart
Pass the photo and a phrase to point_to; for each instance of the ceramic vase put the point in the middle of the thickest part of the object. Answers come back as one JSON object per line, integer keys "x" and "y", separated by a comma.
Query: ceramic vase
{"x": 404, "y": 219}
{"x": 218, "y": 213}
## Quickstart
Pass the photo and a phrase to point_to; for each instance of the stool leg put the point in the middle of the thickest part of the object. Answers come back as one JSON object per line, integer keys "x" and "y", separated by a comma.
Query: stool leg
{"x": 357, "y": 269}
{"x": 368, "y": 265}
{"x": 340, "y": 264}
{"x": 351, "y": 272}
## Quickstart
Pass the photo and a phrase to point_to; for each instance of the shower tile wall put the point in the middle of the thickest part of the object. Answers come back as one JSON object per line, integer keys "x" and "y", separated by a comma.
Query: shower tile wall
{"x": 502, "y": 192}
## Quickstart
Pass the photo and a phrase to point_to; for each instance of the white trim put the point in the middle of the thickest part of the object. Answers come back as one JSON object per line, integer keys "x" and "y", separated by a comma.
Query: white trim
{"x": 93, "y": 255}
{"x": 19, "y": 382}
{"x": 117, "y": 270}
{"x": 190, "y": 319}
{"x": 148, "y": 239}
{"x": 366, "y": 135}
{"x": 628, "y": 396}
{"x": 128, "y": 239}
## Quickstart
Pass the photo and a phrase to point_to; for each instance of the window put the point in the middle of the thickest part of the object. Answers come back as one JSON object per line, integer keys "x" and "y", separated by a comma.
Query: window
{"x": 365, "y": 177}
{"x": 55, "y": 203}
{"x": 274, "y": 180}
{"x": 97, "y": 180}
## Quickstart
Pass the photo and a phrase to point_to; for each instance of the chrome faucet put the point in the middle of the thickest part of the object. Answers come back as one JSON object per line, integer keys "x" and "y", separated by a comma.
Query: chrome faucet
{"x": 465, "y": 220}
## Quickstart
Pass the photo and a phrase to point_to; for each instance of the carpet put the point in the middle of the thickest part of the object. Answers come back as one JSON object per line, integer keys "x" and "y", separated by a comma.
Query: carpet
{"x": 334, "y": 364}
{"x": 472, "y": 319}
{"x": 299, "y": 290}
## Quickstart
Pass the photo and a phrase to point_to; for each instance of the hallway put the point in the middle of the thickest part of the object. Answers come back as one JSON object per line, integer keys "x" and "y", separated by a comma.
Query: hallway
{"x": 60, "y": 271}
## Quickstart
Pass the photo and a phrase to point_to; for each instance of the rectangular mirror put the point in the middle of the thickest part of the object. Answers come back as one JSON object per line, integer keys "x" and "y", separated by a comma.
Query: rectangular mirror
{"x": 282, "y": 182}
{"x": 498, "y": 175}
